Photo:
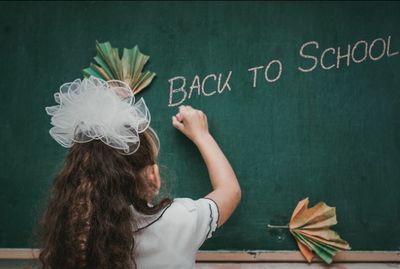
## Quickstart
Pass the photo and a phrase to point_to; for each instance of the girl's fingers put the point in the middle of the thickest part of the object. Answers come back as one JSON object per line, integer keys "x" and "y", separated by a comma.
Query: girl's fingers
{"x": 188, "y": 112}
{"x": 179, "y": 117}
{"x": 176, "y": 123}
{"x": 181, "y": 109}
{"x": 184, "y": 111}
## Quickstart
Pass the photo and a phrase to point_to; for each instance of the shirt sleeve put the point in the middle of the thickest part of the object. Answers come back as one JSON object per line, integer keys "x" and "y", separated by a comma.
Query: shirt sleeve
{"x": 207, "y": 219}
{"x": 202, "y": 217}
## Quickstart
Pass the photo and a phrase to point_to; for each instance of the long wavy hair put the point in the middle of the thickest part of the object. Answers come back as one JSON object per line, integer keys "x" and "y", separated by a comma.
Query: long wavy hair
{"x": 89, "y": 222}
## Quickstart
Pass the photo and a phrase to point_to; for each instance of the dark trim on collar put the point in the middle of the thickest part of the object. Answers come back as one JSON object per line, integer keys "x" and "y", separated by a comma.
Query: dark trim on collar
{"x": 144, "y": 227}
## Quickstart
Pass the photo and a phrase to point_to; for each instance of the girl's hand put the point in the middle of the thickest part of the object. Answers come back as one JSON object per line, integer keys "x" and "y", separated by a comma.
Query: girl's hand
{"x": 192, "y": 123}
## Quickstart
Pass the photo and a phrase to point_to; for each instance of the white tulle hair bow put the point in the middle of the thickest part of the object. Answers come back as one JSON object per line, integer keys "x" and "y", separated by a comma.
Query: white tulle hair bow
{"x": 96, "y": 109}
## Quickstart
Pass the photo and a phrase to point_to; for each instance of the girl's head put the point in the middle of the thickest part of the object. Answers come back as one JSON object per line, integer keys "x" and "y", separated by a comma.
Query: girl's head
{"x": 89, "y": 222}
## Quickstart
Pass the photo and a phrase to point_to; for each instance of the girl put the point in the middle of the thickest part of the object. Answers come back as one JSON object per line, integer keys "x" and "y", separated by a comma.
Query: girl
{"x": 100, "y": 213}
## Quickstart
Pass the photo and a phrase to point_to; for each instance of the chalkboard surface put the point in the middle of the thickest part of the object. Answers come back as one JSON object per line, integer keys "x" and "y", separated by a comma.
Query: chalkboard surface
{"x": 303, "y": 97}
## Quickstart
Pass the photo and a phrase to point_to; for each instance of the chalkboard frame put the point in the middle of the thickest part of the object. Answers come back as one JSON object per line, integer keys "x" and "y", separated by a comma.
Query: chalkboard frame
{"x": 243, "y": 256}
{"x": 189, "y": 151}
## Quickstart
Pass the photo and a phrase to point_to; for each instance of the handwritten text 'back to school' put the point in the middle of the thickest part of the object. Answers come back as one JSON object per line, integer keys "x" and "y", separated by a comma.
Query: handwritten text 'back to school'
{"x": 314, "y": 57}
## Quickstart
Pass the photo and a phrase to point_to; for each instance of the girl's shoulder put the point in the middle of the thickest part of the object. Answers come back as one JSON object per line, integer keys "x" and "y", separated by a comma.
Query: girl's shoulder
{"x": 203, "y": 207}
{"x": 184, "y": 204}
{"x": 200, "y": 215}
{"x": 175, "y": 234}
{"x": 197, "y": 217}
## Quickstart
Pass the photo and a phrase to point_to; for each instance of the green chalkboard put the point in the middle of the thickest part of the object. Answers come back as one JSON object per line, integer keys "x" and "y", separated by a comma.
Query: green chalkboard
{"x": 322, "y": 119}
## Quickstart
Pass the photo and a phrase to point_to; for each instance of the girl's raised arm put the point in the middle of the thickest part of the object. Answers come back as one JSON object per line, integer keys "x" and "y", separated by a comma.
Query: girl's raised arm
{"x": 226, "y": 193}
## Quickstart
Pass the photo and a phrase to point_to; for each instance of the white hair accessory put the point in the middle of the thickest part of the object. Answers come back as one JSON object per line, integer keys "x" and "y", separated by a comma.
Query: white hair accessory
{"x": 96, "y": 109}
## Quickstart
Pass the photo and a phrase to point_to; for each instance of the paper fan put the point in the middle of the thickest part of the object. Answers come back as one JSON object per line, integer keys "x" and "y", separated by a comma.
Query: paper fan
{"x": 129, "y": 68}
{"x": 311, "y": 229}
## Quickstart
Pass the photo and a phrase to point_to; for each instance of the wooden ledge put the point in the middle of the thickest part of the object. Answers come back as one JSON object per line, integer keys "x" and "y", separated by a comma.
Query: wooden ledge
{"x": 294, "y": 256}
{"x": 242, "y": 256}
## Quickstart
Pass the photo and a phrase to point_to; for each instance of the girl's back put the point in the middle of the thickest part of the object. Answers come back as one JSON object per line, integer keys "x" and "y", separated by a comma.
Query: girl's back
{"x": 171, "y": 238}
{"x": 100, "y": 212}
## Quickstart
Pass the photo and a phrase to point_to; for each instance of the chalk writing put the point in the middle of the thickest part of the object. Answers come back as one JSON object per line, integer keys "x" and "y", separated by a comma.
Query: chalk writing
{"x": 375, "y": 51}
{"x": 326, "y": 58}
{"x": 266, "y": 72}
{"x": 198, "y": 86}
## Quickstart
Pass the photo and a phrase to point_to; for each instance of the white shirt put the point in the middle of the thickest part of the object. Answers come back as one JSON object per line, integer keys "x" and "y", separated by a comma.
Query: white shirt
{"x": 171, "y": 238}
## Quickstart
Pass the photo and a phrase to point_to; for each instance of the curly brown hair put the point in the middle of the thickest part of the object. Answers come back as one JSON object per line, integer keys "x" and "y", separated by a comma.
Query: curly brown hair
{"x": 88, "y": 222}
